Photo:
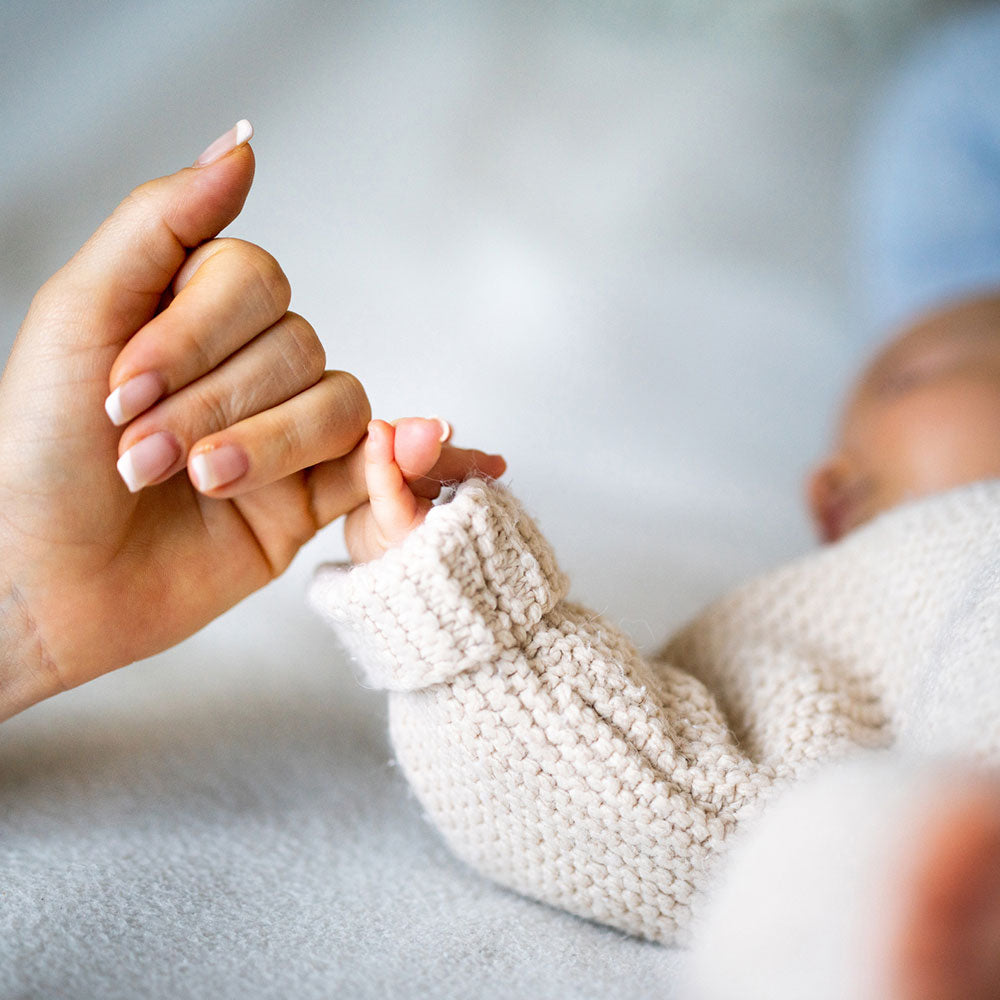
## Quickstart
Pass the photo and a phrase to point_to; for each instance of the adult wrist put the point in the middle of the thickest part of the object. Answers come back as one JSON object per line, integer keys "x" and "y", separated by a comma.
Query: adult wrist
{"x": 27, "y": 673}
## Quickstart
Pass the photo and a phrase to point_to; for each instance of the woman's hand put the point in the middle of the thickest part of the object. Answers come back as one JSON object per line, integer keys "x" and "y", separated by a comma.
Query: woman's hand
{"x": 233, "y": 445}
{"x": 169, "y": 436}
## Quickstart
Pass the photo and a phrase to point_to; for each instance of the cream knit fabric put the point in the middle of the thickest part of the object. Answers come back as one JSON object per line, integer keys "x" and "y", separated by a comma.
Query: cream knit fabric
{"x": 557, "y": 761}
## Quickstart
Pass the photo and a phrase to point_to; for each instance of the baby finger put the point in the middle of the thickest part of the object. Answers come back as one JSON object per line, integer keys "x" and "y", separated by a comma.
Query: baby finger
{"x": 394, "y": 508}
{"x": 456, "y": 464}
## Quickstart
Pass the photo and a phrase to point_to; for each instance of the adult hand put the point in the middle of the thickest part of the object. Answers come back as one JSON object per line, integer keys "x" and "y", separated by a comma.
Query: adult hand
{"x": 102, "y": 565}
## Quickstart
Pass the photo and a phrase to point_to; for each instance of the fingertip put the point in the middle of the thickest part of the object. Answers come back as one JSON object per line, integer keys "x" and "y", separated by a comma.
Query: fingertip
{"x": 491, "y": 466}
{"x": 445, "y": 428}
{"x": 418, "y": 443}
{"x": 239, "y": 135}
{"x": 373, "y": 429}
{"x": 134, "y": 396}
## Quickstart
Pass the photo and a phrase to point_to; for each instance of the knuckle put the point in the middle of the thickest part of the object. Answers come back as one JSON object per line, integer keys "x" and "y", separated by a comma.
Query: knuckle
{"x": 268, "y": 282}
{"x": 262, "y": 281}
{"x": 356, "y": 408}
{"x": 139, "y": 197}
{"x": 140, "y": 215}
{"x": 197, "y": 352}
{"x": 214, "y": 409}
{"x": 287, "y": 442}
{"x": 303, "y": 351}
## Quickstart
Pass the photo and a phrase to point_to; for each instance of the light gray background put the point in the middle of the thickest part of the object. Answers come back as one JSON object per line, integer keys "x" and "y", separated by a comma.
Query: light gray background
{"x": 608, "y": 240}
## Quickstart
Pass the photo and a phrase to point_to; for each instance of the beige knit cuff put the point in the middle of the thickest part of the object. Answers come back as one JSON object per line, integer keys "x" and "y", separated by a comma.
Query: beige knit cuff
{"x": 464, "y": 589}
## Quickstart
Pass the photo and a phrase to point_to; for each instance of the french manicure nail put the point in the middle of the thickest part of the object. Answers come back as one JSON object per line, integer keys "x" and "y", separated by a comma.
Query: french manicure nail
{"x": 148, "y": 460}
{"x": 445, "y": 428}
{"x": 134, "y": 396}
{"x": 218, "y": 467}
{"x": 240, "y": 133}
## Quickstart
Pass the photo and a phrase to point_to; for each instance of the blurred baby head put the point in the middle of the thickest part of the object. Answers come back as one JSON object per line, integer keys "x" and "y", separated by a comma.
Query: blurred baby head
{"x": 922, "y": 417}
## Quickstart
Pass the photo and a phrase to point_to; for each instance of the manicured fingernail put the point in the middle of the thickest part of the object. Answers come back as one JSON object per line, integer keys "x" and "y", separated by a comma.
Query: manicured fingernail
{"x": 134, "y": 396}
{"x": 148, "y": 460}
{"x": 240, "y": 133}
{"x": 217, "y": 467}
{"x": 445, "y": 428}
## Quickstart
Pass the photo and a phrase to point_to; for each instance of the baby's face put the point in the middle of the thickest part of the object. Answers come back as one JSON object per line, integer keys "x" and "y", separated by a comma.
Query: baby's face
{"x": 923, "y": 417}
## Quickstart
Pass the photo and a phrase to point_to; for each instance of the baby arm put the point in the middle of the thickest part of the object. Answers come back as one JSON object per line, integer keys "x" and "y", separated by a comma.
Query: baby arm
{"x": 549, "y": 754}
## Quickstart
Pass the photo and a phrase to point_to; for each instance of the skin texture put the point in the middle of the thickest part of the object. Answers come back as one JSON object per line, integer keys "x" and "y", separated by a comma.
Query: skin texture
{"x": 95, "y": 576}
{"x": 923, "y": 417}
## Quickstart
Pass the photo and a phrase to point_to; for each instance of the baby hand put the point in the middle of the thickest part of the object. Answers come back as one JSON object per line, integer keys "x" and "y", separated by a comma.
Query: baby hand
{"x": 405, "y": 467}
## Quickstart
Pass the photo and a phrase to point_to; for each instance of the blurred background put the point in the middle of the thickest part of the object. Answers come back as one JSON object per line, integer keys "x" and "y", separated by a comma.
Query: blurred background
{"x": 611, "y": 240}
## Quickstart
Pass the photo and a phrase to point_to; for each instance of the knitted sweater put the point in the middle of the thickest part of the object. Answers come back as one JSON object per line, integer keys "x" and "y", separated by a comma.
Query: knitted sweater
{"x": 556, "y": 760}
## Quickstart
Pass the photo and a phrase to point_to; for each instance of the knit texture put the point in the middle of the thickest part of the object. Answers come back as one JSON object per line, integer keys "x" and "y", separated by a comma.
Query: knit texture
{"x": 811, "y": 900}
{"x": 557, "y": 761}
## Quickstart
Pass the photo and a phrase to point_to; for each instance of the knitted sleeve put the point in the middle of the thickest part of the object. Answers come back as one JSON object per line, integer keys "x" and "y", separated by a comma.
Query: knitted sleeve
{"x": 548, "y": 753}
